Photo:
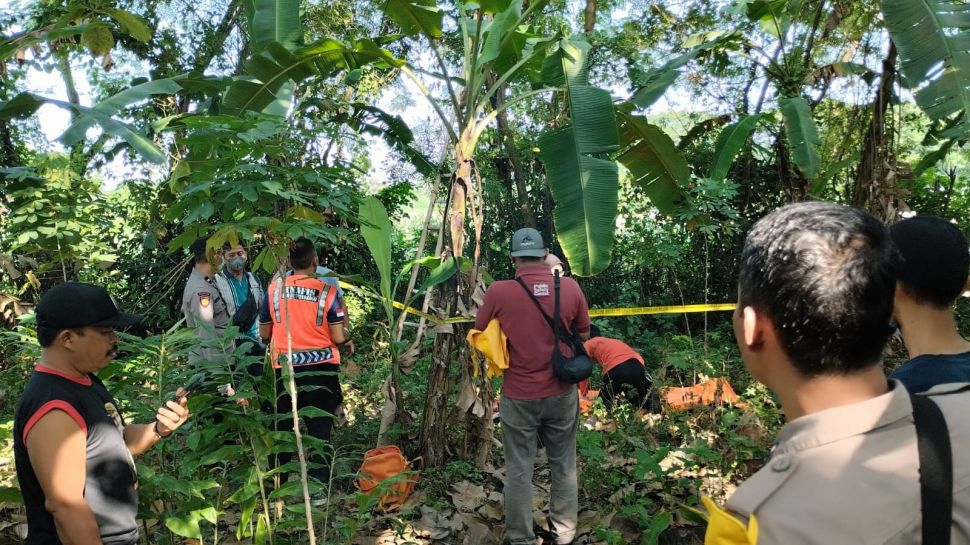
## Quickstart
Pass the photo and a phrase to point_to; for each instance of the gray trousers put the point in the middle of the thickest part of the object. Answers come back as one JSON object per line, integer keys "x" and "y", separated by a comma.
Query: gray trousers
{"x": 553, "y": 420}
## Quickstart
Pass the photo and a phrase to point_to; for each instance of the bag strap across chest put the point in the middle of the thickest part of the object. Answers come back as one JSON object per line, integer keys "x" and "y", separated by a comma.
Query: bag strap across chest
{"x": 935, "y": 469}
{"x": 539, "y": 306}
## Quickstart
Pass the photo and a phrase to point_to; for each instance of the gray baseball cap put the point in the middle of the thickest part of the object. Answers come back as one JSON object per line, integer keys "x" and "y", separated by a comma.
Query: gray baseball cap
{"x": 527, "y": 242}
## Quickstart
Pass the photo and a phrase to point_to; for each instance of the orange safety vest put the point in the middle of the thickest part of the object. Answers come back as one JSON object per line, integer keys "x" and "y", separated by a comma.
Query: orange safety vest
{"x": 306, "y": 301}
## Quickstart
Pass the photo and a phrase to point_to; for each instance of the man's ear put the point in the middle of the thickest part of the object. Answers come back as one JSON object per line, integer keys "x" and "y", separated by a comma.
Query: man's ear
{"x": 65, "y": 338}
{"x": 755, "y": 326}
{"x": 898, "y": 295}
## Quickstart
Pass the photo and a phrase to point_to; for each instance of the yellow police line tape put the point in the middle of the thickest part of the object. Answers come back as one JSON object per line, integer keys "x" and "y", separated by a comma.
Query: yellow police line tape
{"x": 593, "y": 313}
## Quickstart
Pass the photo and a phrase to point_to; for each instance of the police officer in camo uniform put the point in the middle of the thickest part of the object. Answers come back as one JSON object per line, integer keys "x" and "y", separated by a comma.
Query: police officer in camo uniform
{"x": 203, "y": 305}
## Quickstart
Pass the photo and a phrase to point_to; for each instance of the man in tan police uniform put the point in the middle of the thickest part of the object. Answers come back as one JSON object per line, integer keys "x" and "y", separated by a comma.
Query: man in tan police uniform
{"x": 815, "y": 299}
{"x": 203, "y": 305}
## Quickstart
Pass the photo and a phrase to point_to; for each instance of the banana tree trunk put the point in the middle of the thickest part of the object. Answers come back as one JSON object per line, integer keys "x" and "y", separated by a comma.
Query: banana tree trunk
{"x": 434, "y": 438}
{"x": 450, "y": 348}
{"x": 459, "y": 194}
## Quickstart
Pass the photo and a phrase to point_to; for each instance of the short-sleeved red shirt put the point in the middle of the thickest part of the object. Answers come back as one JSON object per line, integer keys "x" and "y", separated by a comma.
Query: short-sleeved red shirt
{"x": 529, "y": 375}
{"x": 610, "y": 352}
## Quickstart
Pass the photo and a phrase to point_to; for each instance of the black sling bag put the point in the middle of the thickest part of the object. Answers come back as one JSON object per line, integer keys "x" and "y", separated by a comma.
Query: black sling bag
{"x": 569, "y": 370}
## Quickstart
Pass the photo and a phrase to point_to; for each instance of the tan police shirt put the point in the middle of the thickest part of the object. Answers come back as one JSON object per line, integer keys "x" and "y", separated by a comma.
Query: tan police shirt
{"x": 205, "y": 311}
{"x": 849, "y": 475}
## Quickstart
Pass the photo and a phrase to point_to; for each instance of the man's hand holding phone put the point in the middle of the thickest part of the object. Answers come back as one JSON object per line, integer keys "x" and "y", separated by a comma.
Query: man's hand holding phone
{"x": 175, "y": 412}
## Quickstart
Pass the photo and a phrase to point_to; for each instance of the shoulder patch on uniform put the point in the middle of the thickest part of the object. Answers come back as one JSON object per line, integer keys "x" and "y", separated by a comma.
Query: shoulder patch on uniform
{"x": 762, "y": 485}
{"x": 204, "y": 298}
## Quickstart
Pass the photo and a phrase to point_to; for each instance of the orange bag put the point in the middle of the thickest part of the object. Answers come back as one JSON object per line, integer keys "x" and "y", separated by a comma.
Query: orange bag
{"x": 706, "y": 393}
{"x": 586, "y": 401}
{"x": 388, "y": 464}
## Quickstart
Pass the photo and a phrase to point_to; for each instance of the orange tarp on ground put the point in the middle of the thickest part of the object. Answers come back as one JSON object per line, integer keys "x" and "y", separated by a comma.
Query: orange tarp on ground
{"x": 708, "y": 392}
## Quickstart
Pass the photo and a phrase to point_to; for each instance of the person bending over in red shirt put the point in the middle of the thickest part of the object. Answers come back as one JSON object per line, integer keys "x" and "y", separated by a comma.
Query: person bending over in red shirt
{"x": 624, "y": 372}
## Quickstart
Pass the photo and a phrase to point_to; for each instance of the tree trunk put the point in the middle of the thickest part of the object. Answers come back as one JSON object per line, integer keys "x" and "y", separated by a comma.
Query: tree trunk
{"x": 479, "y": 429}
{"x": 214, "y": 42}
{"x": 508, "y": 140}
{"x": 790, "y": 178}
{"x": 872, "y": 162}
{"x": 8, "y": 151}
{"x": 589, "y": 16}
{"x": 449, "y": 343}
{"x": 459, "y": 193}
{"x": 70, "y": 89}
{"x": 434, "y": 438}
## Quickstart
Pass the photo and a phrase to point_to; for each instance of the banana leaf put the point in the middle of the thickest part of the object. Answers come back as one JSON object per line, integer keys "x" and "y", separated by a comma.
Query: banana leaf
{"x": 582, "y": 180}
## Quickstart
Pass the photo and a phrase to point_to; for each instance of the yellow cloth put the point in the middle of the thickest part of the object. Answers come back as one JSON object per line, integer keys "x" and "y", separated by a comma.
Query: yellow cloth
{"x": 494, "y": 345}
{"x": 723, "y": 528}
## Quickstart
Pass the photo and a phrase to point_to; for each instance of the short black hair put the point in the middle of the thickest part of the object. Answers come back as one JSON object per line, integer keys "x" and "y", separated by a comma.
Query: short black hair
{"x": 529, "y": 259}
{"x": 594, "y": 331}
{"x": 199, "y": 250}
{"x": 825, "y": 275}
{"x": 227, "y": 245}
{"x": 302, "y": 253}
{"x": 935, "y": 259}
{"x": 46, "y": 335}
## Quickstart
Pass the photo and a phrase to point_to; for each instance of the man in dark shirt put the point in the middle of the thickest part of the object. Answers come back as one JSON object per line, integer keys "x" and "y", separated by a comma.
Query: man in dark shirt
{"x": 73, "y": 449}
{"x": 534, "y": 404}
{"x": 932, "y": 275}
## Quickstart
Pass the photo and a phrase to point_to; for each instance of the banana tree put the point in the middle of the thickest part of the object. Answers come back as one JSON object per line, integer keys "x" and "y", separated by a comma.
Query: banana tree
{"x": 501, "y": 48}
{"x": 930, "y": 36}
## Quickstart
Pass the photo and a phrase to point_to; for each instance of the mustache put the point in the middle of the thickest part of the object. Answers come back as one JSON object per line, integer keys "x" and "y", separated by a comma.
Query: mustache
{"x": 113, "y": 351}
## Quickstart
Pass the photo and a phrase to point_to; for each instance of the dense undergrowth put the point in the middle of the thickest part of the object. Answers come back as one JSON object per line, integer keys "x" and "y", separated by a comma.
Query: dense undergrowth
{"x": 641, "y": 474}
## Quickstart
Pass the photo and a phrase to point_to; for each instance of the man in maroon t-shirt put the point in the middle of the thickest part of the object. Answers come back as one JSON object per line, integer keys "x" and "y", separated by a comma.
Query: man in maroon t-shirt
{"x": 534, "y": 404}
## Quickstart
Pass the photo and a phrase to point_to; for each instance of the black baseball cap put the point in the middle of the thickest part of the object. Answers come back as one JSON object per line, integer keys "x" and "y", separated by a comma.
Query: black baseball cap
{"x": 935, "y": 258}
{"x": 72, "y": 305}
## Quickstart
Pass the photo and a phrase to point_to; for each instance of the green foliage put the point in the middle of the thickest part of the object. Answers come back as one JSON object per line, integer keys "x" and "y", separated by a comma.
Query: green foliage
{"x": 729, "y": 143}
{"x": 228, "y": 190}
{"x": 266, "y": 75}
{"x": 802, "y": 134}
{"x": 63, "y": 222}
{"x": 421, "y": 17}
{"x": 655, "y": 164}
{"x": 116, "y": 103}
{"x": 274, "y": 21}
{"x": 934, "y": 63}
{"x": 277, "y": 140}
{"x": 26, "y": 104}
{"x": 583, "y": 182}
{"x": 376, "y": 230}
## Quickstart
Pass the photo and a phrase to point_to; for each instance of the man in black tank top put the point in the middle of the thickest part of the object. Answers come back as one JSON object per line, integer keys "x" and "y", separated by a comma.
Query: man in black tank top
{"x": 73, "y": 450}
